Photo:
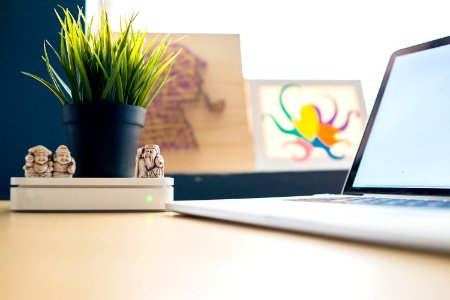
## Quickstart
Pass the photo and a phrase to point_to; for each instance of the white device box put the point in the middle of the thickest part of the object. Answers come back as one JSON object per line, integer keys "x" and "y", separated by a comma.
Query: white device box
{"x": 87, "y": 194}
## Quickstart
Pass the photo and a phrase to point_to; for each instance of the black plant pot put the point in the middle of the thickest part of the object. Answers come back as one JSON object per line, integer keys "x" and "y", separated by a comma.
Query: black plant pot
{"x": 103, "y": 138}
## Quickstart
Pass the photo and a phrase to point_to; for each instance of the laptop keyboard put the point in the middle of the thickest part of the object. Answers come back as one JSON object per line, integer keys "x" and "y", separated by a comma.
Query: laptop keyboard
{"x": 380, "y": 201}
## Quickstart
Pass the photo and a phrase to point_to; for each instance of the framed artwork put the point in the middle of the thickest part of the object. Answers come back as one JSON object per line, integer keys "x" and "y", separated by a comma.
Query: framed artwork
{"x": 306, "y": 125}
{"x": 200, "y": 118}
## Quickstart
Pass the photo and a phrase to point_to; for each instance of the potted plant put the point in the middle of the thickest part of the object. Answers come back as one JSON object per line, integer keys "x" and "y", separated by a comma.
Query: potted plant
{"x": 111, "y": 80}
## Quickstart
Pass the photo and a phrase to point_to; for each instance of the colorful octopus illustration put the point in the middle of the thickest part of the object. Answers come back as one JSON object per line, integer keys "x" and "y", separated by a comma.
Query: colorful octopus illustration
{"x": 310, "y": 130}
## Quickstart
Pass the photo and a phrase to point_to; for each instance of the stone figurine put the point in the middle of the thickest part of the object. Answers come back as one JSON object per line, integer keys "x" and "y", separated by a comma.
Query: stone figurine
{"x": 149, "y": 162}
{"x": 63, "y": 163}
{"x": 38, "y": 162}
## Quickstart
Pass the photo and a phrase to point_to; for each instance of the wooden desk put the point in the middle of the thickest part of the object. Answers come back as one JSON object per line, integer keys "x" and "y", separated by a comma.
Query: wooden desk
{"x": 169, "y": 256}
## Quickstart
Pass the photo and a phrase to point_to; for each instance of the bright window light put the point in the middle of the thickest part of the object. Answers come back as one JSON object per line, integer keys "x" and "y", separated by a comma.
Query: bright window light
{"x": 292, "y": 39}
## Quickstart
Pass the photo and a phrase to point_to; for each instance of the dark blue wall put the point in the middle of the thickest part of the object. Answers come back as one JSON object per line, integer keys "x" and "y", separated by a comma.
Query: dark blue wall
{"x": 29, "y": 113}
{"x": 255, "y": 185}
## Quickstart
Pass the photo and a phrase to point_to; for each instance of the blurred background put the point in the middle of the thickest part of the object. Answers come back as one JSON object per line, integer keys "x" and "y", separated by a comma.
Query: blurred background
{"x": 292, "y": 39}
{"x": 283, "y": 39}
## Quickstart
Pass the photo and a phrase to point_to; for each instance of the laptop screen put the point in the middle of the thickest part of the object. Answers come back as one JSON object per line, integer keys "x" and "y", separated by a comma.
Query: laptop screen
{"x": 406, "y": 145}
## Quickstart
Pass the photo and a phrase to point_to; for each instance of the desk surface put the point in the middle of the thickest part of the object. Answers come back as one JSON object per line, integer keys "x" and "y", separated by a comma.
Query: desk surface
{"x": 169, "y": 256}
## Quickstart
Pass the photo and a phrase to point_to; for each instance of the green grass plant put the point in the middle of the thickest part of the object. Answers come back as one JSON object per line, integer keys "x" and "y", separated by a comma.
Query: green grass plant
{"x": 106, "y": 67}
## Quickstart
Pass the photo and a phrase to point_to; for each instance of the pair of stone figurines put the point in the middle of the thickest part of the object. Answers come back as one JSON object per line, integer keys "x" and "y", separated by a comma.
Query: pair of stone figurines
{"x": 39, "y": 162}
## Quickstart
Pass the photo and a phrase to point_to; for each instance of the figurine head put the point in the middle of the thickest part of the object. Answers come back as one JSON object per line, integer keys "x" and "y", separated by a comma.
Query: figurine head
{"x": 153, "y": 150}
{"x": 40, "y": 153}
{"x": 150, "y": 151}
{"x": 62, "y": 155}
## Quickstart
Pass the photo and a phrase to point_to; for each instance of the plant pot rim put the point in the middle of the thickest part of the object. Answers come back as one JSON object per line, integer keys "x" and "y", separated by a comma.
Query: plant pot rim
{"x": 103, "y": 113}
{"x": 103, "y": 103}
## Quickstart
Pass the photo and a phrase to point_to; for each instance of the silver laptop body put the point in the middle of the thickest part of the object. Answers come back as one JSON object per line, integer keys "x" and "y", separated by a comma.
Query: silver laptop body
{"x": 398, "y": 189}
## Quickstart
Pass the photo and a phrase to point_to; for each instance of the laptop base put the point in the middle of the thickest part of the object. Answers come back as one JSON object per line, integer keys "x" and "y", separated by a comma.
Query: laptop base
{"x": 388, "y": 225}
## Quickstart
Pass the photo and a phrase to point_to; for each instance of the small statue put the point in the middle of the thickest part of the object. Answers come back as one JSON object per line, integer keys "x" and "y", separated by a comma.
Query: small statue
{"x": 63, "y": 163}
{"x": 38, "y": 162}
{"x": 149, "y": 162}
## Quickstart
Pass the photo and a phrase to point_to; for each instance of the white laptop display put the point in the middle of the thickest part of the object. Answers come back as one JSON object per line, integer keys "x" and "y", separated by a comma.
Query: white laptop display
{"x": 398, "y": 189}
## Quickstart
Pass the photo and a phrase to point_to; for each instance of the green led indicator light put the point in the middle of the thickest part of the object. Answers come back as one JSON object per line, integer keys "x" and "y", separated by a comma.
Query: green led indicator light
{"x": 149, "y": 198}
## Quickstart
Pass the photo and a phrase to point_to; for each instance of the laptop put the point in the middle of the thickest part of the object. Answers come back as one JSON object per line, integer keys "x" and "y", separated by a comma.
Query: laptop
{"x": 397, "y": 191}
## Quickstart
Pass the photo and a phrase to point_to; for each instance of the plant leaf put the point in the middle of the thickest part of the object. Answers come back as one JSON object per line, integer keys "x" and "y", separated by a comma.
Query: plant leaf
{"x": 58, "y": 94}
